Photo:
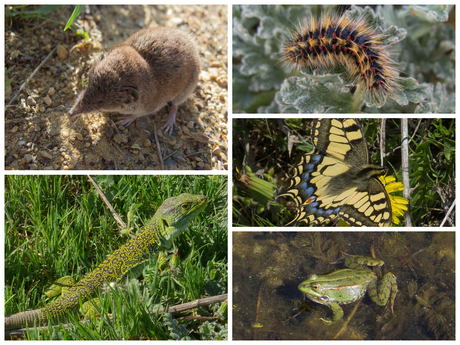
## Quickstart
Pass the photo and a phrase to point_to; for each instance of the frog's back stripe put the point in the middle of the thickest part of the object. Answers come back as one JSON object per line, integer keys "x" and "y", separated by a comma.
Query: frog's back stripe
{"x": 168, "y": 222}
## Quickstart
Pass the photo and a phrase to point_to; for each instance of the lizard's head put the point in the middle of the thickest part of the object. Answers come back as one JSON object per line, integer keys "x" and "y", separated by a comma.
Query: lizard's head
{"x": 178, "y": 211}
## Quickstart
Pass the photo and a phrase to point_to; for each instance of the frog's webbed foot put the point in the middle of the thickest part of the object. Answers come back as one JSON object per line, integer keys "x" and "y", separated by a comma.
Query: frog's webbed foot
{"x": 337, "y": 314}
{"x": 394, "y": 290}
{"x": 385, "y": 294}
{"x": 327, "y": 322}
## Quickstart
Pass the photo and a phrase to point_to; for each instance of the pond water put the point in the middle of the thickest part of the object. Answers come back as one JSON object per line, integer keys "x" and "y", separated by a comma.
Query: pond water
{"x": 269, "y": 266}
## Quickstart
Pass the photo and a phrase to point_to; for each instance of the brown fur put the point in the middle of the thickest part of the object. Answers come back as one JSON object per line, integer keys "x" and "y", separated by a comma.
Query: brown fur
{"x": 141, "y": 75}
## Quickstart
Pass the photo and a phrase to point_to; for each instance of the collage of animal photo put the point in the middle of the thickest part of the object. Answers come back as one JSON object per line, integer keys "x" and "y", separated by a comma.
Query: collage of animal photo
{"x": 168, "y": 169}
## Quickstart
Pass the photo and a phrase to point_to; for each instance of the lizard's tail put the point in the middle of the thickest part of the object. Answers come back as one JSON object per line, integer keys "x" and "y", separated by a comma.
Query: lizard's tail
{"x": 23, "y": 319}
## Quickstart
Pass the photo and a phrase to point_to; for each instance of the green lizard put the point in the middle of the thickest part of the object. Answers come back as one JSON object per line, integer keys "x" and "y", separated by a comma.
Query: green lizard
{"x": 169, "y": 221}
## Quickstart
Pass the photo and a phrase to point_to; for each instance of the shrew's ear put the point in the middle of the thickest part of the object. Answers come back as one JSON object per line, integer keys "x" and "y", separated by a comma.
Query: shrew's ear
{"x": 129, "y": 95}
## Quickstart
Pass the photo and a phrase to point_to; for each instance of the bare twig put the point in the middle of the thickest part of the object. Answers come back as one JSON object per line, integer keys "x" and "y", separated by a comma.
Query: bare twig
{"x": 114, "y": 213}
{"x": 196, "y": 153}
{"x": 382, "y": 142}
{"x": 170, "y": 154}
{"x": 448, "y": 213}
{"x": 119, "y": 150}
{"x": 158, "y": 146}
{"x": 22, "y": 119}
{"x": 405, "y": 167}
{"x": 194, "y": 304}
{"x": 115, "y": 126}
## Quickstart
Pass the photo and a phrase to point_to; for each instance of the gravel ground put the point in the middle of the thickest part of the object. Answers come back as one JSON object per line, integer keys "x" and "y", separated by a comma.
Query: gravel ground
{"x": 39, "y": 133}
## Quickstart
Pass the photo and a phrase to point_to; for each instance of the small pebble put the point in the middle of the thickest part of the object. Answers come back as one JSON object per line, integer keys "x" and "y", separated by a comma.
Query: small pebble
{"x": 54, "y": 129}
{"x": 109, "y": 132}
{"x": 27, "y": 158}
{"x": 216, "y": 151}
{"x": 45, "y": 154}
{"x": 120, "y": 138}
{"x": 222, "y": 81}
{"x": 185, "y": 130}
{"x": 31, "y": 101}
{"x": 47, "y": 101}
{"x": 8, "y": 92}
{"x": 62, "y": 52}
{"x": 9, "y": 159}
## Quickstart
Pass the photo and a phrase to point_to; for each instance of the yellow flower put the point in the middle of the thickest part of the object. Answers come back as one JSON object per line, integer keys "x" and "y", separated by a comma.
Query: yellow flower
{"x": 398, "y": 204}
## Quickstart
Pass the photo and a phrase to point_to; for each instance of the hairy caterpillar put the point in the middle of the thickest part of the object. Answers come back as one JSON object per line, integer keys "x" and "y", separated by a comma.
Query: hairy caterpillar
{"x": 352, "y": 43}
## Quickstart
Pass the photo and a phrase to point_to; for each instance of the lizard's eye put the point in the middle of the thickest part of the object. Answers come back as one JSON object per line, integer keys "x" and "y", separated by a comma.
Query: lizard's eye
{"x": 185, "y": 206}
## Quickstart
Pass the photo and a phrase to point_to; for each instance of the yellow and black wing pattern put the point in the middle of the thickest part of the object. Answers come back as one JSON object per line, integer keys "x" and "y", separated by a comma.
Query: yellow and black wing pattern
{"x": 336, "y": 179}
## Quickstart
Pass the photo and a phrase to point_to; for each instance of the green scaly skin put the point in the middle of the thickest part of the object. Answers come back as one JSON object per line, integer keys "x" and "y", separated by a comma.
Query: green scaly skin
{"x": 170, "y": 220}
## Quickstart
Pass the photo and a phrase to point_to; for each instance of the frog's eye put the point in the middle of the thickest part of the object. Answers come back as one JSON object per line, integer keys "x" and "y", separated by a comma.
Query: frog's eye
{"x": 315, "y": 287}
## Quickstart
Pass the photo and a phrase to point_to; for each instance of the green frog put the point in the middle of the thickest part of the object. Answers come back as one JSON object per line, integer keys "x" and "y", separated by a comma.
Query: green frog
{"x": 347, "y": 285}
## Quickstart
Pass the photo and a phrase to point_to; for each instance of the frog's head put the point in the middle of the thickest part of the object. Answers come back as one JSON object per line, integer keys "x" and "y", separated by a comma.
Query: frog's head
{"x": 312, "y": 288}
